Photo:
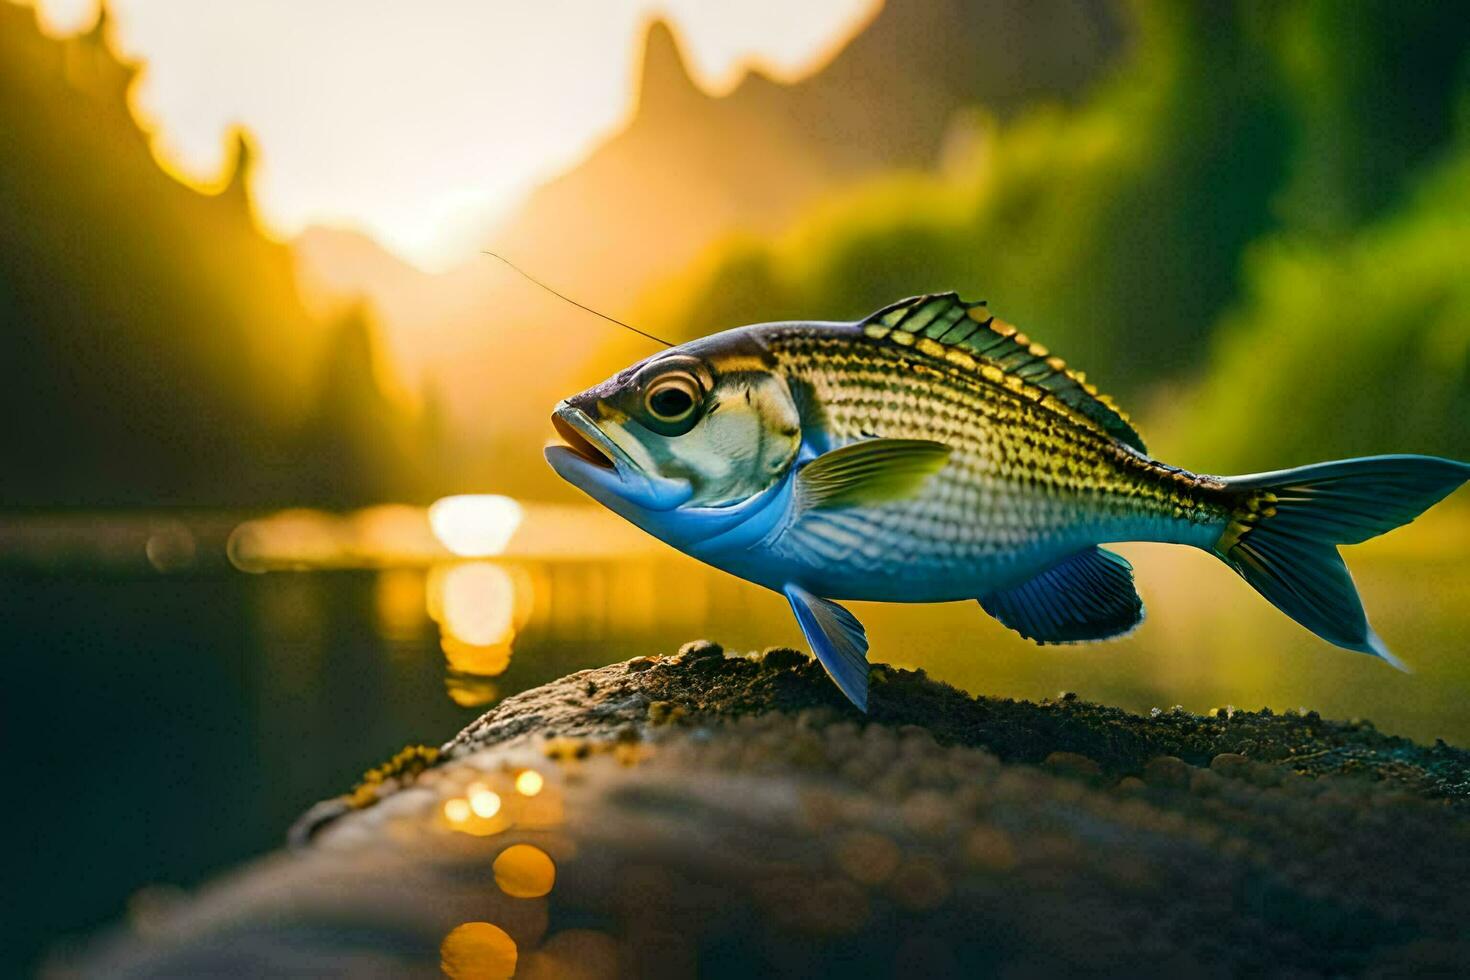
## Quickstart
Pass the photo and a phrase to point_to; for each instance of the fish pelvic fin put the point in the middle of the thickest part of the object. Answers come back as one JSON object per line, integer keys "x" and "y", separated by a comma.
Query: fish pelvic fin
{"x": 1087, "y": 596}
{"x": 1284, "y": 531}
{"x": 872, "y": 471}
{"x": 838, "y": 640}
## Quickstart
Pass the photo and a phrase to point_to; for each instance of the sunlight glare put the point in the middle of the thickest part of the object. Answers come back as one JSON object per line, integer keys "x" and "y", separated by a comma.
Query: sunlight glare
{"x": 436, "y": 118}
{"x": 61, "y": 18}
{"x": 478, "y": 603}
{"x": 475, "y": 525}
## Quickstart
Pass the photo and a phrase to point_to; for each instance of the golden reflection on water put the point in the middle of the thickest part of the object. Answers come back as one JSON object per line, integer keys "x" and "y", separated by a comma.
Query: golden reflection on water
{"x": 470, "y": 691}
{"x": 399, "y": 604}
{"x": 477, "y": 603}
{"x": 479, "y": 606}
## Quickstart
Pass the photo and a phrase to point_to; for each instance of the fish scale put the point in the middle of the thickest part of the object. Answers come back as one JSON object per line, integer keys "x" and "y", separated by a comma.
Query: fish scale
{"x": 1023, "y": 483}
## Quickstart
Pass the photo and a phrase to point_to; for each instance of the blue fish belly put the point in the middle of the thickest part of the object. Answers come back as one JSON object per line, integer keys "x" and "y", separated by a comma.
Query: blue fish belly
{"x": 954, "y": 541}
{"x": 895, "y": 554}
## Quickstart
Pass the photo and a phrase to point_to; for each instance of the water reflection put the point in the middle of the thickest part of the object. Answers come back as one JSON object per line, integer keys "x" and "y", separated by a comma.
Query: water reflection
{"x": 399, "y": 605}
{"x": 396, "y": 535}
{"x": 484, "y": 597}
{"x": 478, "y": 607}
{"x": 476, "y": 603}
{"x": 480, "y": 568}
{"x": 570, "y": 587}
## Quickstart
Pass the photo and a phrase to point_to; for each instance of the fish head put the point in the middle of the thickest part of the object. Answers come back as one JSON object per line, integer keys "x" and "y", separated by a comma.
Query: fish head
{"x": 708, "y": 424}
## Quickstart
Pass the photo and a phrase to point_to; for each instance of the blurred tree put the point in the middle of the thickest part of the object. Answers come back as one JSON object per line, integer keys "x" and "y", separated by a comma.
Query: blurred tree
{"x": 357, "y": 446}
{"x": 1115, "y": 232}
{"x": 153, "y": 349}
{"x": 1373, "y": 87}
{"x": 1108, "y": 231}
{"x": 1352, "y": 348}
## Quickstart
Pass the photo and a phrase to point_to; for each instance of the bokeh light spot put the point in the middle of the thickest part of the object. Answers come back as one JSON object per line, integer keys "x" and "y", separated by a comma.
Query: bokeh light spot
{"x": 477, "y": 951}
{"x": 457, "y": 810}
{"x": 170, "y": 548}
{"x": 483, "y": 800}
{"x": 524, "y": 871}
{"x": 529, "y": 782}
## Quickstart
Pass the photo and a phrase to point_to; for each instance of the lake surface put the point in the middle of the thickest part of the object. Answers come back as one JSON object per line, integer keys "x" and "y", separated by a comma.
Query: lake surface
{"x": 171, "y": 713}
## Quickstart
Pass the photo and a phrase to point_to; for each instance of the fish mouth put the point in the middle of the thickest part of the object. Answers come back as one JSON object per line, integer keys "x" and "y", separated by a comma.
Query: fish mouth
{"x": 599, "y": 467}
{"x": 578, "y": 443}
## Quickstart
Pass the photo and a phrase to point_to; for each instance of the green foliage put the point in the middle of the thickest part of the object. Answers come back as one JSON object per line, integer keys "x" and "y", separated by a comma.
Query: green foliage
{"x": 1221, "y": 175}
{"x": 1373, "y": 87}
{"x": 1111, "y": 233}
{"x": 1353, "y": 348}
{"x": 400, "y": 770}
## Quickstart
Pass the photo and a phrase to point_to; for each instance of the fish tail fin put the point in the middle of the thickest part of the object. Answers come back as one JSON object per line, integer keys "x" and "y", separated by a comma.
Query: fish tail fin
{"x": 1283, "y": 534}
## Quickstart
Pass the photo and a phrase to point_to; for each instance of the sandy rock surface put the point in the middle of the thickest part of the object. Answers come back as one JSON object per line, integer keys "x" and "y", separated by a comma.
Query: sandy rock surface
{"x": 719, "y": 816}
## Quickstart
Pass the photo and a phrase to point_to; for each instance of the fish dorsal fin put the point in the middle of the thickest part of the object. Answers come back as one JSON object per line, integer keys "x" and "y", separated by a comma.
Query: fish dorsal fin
{"x": 966, "y": 334}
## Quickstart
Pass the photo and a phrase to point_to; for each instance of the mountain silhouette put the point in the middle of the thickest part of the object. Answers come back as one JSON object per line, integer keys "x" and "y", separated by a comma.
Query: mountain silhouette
{"x": 688, "y": 169}
{"x": 153, "y": 346}
{"x": 691, "y": 167}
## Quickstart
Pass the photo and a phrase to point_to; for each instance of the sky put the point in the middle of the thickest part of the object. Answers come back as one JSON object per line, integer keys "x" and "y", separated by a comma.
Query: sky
{"x": 418, "y": 121}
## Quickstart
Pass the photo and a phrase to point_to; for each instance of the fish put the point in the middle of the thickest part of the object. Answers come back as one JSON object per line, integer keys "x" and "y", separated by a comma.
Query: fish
{"x": 932, "y": 452}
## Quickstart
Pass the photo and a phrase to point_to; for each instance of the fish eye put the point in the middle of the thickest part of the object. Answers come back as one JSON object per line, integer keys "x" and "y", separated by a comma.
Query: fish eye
{"x": 671, "y": 399}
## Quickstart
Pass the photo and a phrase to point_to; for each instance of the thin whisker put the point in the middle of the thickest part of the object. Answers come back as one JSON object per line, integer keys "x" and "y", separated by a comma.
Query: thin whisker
{"x": 580, "y": 306}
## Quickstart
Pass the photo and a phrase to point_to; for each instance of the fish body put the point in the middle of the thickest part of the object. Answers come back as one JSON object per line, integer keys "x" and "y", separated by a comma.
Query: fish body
{"x": 1025, "y": 484}
{"x": 931, "y": 453}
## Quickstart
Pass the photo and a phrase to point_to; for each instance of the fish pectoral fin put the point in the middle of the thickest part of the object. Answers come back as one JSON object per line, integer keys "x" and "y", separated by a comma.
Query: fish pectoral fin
{"x": 870, "y": 472}
{"x": 1088, "y": 596}
{"x": 838, "y": 640}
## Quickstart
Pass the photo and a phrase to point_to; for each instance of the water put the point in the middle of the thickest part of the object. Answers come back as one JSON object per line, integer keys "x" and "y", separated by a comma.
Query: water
{"x": 170, "y": 714}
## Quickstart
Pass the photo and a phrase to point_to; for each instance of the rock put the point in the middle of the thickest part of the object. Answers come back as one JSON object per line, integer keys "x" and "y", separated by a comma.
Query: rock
{"x": 781, "y": 658}
{"x": 700, "y": 650}
{"x": 736, "y": 816}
